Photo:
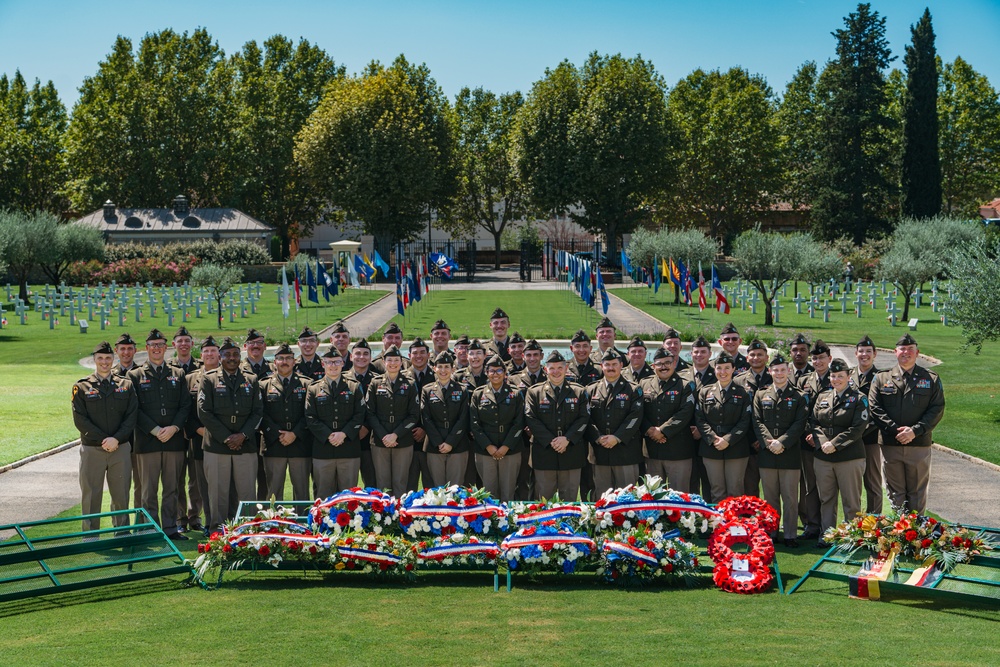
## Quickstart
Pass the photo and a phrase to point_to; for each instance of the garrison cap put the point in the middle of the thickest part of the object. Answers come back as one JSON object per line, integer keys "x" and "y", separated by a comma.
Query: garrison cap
{"x": 393, "y": 351}
{"x": 462, "y": 340}
{"x": 701, "y": 342}
{"x": 495, "y": 361}
{"x": 475, "y": 345}
{"x": 125, "y": 339}
{"x": 865, "y": 342}
{"x": 839, "y": 366}
{"x": 635, "y": 342}
{"x": 730, "y": 328}
{"x": 393, "y": 328}
{"x": 605, "y": 323}
{"x": 104, "y": 347}
{"x": 228, "y": 344}
{"x": 307, "y": 333}
{"x": 555, "y": 357}
{"x": 339, "y": 327}
{"x": 580, "y": 337}
{"x": 756, "y": 344}
{"x": 253, "y": 334}
{"x": 907, "y": 339}
{"x": 439, "y": 326}
{"x": 283, "y": 349}
{"x": 799, "y": 339}
{"x": 724, "y": 358}
{"x": 516, "y": 338}
{"x": 498, "y": 314}
{"x": 418, "y": 342}
{"x": 362, "y": 345}
{"x": 182, "y": 332}
{"x": 819, "y": 347}
{"x": 532, "y": 345}
{"x": 777, "y": 361}
{"x": 444, "y": 357}
{"x": 156, "y": 334}
{"x": 611, "y": 354}
{"x": 209, "y": 342}
{"x": 671, "y": 333}
{"x": 662, "y": 353}
{"x": 332, "y": 353}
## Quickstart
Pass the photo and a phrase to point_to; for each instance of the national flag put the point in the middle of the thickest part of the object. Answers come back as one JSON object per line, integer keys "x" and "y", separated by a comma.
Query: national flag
{"x": 311, "y": 285}
{"x": 380, "y": 263}
{"x": 284, "y": 294}
{"x": 605, "y": 302}
{"x": 400, "y": 308}
{"x": 585, "y": 283}
{"x": 361, "y": 269}
{"x": 443, "y": 265}
{"x": 626, "y": 265}
{"x": 352, "y": 271}
{"x": 427, "y": 275}
{"x": 404, "y": 279}
{"x": 701, "y": 289}
{"x": 657, "y": 276}
{"x": 721, "y": 303}
{"x": 298, "y": 288}
{"x": 414, "y": 277}
{"x": 685, "y": 282}
{"x": 675, "y": 273}
{"x": 369, "y": 264}
{"x": 323, "y": 278}
{"x": 664, "y": 271}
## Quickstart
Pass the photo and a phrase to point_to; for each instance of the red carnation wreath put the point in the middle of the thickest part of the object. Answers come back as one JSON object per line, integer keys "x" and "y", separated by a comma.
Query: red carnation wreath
{"x": 726, "y": 535}
{"x": 760, "y": 578}
{"x": 750, "y": 510}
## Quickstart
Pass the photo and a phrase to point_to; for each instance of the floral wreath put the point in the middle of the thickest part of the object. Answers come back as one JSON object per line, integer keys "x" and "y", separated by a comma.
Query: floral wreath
{"x": 373, "y": 554}
{"x": 458, "y": 549}
{"x": 651, "y": 503}
{"x": 446, "y": 510}
{"x": 757, "y": 580}
{"x": 577, "y": 515}
{"x": 751, "y": 510}
{"x": 546, "y": 547}
{"x": 643, "y": 555}
{"x": 727, "y": 535}
{"x": 354, "y": 510}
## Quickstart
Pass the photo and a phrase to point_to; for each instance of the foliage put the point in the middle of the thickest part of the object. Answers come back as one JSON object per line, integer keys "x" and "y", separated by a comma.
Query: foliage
{"x": 513, "y": 237}
{"x": 977, "y": 274}
{"x": 26, "y": 239}
{"x": 865, "y": 257}
{"x": 921, "y": 166}
{"x": 236, "y": 252}
{"x": 729, "y": 152}
{"x": 132, "y": 271}
{"x": 71, "y": 243}
{"x": 819, "y": 264}
{"x": 853, "y": 193}
{"x": 382, "y": 145}
{"x": 32, "y": 124}
{"x": 969, "y": 134}
{"x": 688, "y": 245}
{"x": 218, "y": 279}
{"x": 643, "y": 555}
{"x": 798, "y": 125}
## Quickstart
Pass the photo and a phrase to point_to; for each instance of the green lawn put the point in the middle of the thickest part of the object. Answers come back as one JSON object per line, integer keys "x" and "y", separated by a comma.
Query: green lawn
{"x": 971, "y": 388}
{"x": 38, "y": 365}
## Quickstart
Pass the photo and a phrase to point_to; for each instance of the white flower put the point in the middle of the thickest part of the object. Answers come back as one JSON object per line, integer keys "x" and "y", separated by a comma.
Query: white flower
{"x": 626, "y": 525}
{"x": 437, "y": 525}
{"x": 377, "y": 529}
{"x": 486, "y": 525}
{"x": 448, "y": 561}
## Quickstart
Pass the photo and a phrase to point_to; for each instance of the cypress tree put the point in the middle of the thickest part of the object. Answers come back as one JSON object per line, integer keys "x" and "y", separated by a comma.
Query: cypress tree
{"x": 921, "y": 167}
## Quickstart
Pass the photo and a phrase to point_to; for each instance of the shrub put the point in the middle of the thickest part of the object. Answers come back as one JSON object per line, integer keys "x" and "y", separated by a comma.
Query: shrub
{"x": 130, "y": 271}
{"x": 82, "y": 273}
{"x": 236, "y": 252}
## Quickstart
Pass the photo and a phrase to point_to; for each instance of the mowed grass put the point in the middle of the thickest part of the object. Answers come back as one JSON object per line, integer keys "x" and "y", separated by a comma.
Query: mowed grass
{"x": 456, "y": 618}
{"x": 38, "y": 365}
{"x": 971, "y": 385}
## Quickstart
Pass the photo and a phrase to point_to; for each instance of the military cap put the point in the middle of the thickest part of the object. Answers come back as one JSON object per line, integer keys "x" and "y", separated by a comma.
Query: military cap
{"x": 580, "y": 337}
{"x": 125, "y": 339}
{"x": 839, "y": 366}
{"x": 498, "y": 314}
{"x": 756, "y": 344}
{"x": 672, "y": 333}
{"x": 155, "y": 334}
{"x": 439, "y": 325}
{"x": 228, "y": 344}
{"x": 332, "y": 353}
{"x": 724, "y": 358}
{"x": 362, "y": 345}
{"x": 866, "y": 341}
{"x": 799, "y": 339}
{"x": 662, "y": 353}
{"x": 339, "y": 327}
{"x": 555, "y": 357}
{"x": 462, "y": 340}
{"x": 611, "y": 354}
{"x": 104, "y": 347}
{"x": 393, "y": 328}
{"x": 182, "y": 332}
{"x": 730, "y": 328}
{"x": 475, "y": 345}
{"x": 605, "y": 323}
{"x": 906, "y": 339}
{"x": 516, "y": 338}
{"x": 418, "y": 342}
{"x": 393, "y": 351}
{"x": 495, "y": 361}
{"x": 532, "y": 345}
{"x": 700, "y": 342}
{"x": 777, "y": 361}
{"x": 636, "y": 342}
{"x": 819, "y": 347}
{"x": 283, "y": 349}
{"x": 444, "y": 357}
{"x": 209, "y": 342}
{"x": 253, "y": 334}
{"x": 307, "y": 333}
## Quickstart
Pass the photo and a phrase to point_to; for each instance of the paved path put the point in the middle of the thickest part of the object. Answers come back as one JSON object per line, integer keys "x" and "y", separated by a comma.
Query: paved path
{"x": 366, "y": 321}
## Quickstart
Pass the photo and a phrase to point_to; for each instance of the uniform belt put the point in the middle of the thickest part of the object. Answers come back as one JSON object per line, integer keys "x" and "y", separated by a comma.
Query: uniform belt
{"x": 163, "y": 412}
{"x": 501, "y": 428}
{"x": 559, "y": 432}
{"x": 446, "y": 424}
{"x": 232, "y": 420}
{"x": 334, "y": 425}
{"x": 288, "y": 426}
{"x": 392, "y": 420}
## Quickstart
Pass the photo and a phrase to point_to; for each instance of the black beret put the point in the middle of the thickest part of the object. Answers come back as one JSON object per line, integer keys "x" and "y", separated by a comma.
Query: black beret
{"x": 462, "y": 340}
{"x": 756, "y": 344}
{"x": 253, "y": 334}
{"x": 475, "y": 345}
{"x": 532, "y": 345}
{"x": 498, "y": 314}
{"x": 362, "y": 345}
{"x": 515, "y": 338}
{"x": 495, "y": 361}
{"x": 580, "y": 337}
{"x": 104, "y": 347}
{"x": 209, "y": 342}
{"x": 307, "y": 333}
{"x": 611, "y": 354}
{"x": 393, "y": 351}
{"x": 671, "y": 333}
{"x": 339, "y": 327}
{"x": 182, "y": 332}
{"x": 444, "y": 357}
{"x": 125, "y": 339}
{"x": 155, "y": 334}
{"x": 730, "y": 328}
{"x": 777, "y": 361}
{"x": 393, "y": 328}
{"x": 839, "y": 366}
{"x": 724, "y": 358}
{"x": 440, "y": 325}
{"x": 865, "y": 342}
{"x": 819, "y": 347}
{"x": 555, "y": 357}
{"x": 605, "y": 323}
{"x": 701, "y": 342}
{"x": 662, "y": 353}
{"x": 283, "y": 349}
{"x": 636, "y": 342}
{"x": 418, "y": 342}
{"x": 799, "y": 339}
{"x": 907, "y": 339}
{"x": 228, "y": 344}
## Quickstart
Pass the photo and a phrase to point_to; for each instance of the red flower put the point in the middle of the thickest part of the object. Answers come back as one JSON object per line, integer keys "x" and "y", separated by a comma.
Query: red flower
{"x": 343, "y": 519}
{"x": 672, "y": 553}
{"x": 409, "y": 566}
{"x": 926, "y": 543}
{"x": 957, "y": 541}
{"x": 968, "y": 544}
{"x": 352, "y": 505}
{"x": 312, "y": 548}
{"x": 355, "y": 489}
{"x": 405, "y": 519}
{"x": 452, "y": 503}
{"x": 910, "y": 535}
{"x": 349, "y": 541}
{"x": 546, "y": 547}
{"x": 378, "y": 507}
{"x": 264, "y": 550}
{"x": 530, "y": 530}
{"x": 470, "y": 502}
{"x": 669, "y": 567}
{"x": 226, "y": 548}
{"x": 631, "y": 540}
{"x": 618, "y": 519}
{"x": 650, "y": 545}
{"x": 647, "y": 496}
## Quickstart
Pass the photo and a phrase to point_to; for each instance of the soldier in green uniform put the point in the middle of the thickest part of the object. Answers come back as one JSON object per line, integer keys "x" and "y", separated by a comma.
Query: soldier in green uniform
{"x": 837, "y": 424}
{"x": 182, "y": 359}
{"x": 724, "y": 412}
{"x": 907, "y": 402}
{"x": 667, "y": 415}
{"x": 362, "y": 373}
{"x": 496, "y": 416}
{"x": 255, "y": 362}
{"x": 335, "y": 413}
{"x": 799, "y": 351}
{"x": 421, "y": 371}
{"x": 558, "y": 414}
{"x": 340, "y": 338}
{"x": 392, "y": 413}
{"x": 391, "y": 337}
{"x": 861, "y": 379}
{"x": 615, "y": 417}
{"x": 605, "y": 334}
{"x": 194, "y": 430}
{"x": 104, "y": 412}
{"x": 730, "y": 340}
{"x": 637, "y": 368}
{"x": 533, "y": 372}
{"x": 189, "y": 500}
{"x": 499, "y": 325}
{"x": 754, "y": 379}
{"x": 581, "y": 369}
{"x": 440, "y": 338}
{"x": 462, "y": 352}
{"x": 811, "y": 385}
{"x": 672, "y": 343}
{"x": 230, "y": 408}
{"x": 308, "y": 363}
{"x": 287, "y": 440}
{"x": 516, "y": 348}
{"x": 444, "y": 411}
{"x": 474, "y": 375}
{"x": 780, "y": 413}
{"x": 701, "y": 373}
{"x": 164, "y": 405}
{"x": 125, "y": 348}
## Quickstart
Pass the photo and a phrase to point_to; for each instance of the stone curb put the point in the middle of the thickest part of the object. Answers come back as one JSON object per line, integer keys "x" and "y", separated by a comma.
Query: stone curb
{"x": 967, "y": 457}
{"x": 39, "y": 456}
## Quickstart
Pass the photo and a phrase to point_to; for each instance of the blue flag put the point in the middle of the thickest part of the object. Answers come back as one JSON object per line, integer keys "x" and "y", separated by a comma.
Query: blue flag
{"x": 323, "y": 278}
{"x": 414, "y": 277}
{"x": 442, "y": 265}
{"x": 656, "y": 277}
{"x": 380, "y": 263}
{"x": 399, "y": 297}
{"x": 626, "y": 264}
{"x": 311, "y": 284}
{"x": 604, "y": 293}
{"x": 363, "y": 269}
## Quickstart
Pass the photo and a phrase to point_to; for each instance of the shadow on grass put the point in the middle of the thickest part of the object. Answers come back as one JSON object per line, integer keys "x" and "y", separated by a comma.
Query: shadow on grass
{"x": 56, "y": 600}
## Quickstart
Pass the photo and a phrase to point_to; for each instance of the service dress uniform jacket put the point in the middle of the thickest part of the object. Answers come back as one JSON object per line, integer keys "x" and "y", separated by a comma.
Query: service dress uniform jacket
{"x": 668, "y": 405}
{"x": 681, "y": 366}
{"x": 726, "y": 413}
{"x": 444, "y": 413}
{"x": 465, "y": 376}
{"x": 164, "y": 400}
{"x": 637, "y": 376}
{"x": 331, "y": 409}
{"x": 525, "y": 380}
{"x": 378, "y": 364}
{"x": 842, "y": 420}
{"x": 121, "y": 371}
{"x": 285, "y": 410}
{"x": 227, "y": 405}
{"x": 706, "y": 377}
{"x": 190, "y": 367}
{"x": 193, "y": 422}
{"x": 104, "y": 409}
{"x": 740, "y": 364}
{"x": 862, "y": 382}
{"x": 312, "y": 369}
{"x": 261, "y": 369}
{"x": 551, "y": 412}
{"x": 915, "y": 400}
{"x": 753, "y": 383}
{"x": 392, "y": 408}
{"x": 513, "y": 367}
{"x": 499, "y": 348}
{"x": 616, "y": 409}
{"x": 584, "y": 374}
{"x": 782, "y": 415}
{"x": 364, "y": 380}
{"x": 497, "y": 418}
{"x": 421, "y": 379}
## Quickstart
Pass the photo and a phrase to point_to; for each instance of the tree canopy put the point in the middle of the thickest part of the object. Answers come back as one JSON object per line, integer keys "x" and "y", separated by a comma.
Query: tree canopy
{"x": 920, "y": 188}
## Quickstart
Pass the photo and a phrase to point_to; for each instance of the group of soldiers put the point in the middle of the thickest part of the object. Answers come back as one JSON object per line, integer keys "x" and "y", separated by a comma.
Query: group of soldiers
{"x": 805, "y": 430}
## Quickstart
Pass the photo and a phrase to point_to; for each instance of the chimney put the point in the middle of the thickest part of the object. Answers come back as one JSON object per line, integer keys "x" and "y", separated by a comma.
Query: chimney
{"x": 180, "y": 206}
{"x": 109, "y": 210}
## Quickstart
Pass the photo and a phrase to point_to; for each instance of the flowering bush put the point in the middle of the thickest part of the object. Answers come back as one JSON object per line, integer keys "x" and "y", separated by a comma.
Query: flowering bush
{"x": 354, "y": 510}
{"x": 458, "y": 549}
{"x": 548, "y": 547}
{"x": 650, "y": 502}
{"x": 644, "y": 555}
{"x": 82, "y": 273}
{"x": 128, "y": 271}
{"x": 373, "y": 554}
{"x": 445, "y": 510}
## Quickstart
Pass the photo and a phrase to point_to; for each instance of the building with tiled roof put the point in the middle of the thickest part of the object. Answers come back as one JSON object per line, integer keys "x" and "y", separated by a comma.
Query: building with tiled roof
{"x": 990, "y": 212}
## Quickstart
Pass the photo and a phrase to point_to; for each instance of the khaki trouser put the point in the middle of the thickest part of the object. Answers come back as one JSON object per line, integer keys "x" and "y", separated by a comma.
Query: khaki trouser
{"x": 499, "y": 477}
{"x": 676, "y": 474}
{"x": 847, "y": 477}
{"x": 420, "y": 474}
{"x": 332, "y": 476}
{"x": 873, "y": 478}
{"x": 197, "y": 472}
{"x": 158, "y": 468}
{"x": 298, "y": 468}
{"x": 392, "y": 467}
{"x": 96, "y": 465}
{"x": 613, "y": 477}
{"x": 808, "y": 494}
{"x": 751, "y": 478}
{"x": 224, "y": 471}
{"x": 726, "y": 477}
{"x": 781, "y": 491}
{"x": 566, "y": 482}
{"x": 907, "y": 474}
{"x": 447, "y": 469}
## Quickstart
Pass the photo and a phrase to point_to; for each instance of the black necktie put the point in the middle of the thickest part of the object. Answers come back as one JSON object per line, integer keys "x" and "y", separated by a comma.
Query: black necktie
{"x": 284, "y": 381}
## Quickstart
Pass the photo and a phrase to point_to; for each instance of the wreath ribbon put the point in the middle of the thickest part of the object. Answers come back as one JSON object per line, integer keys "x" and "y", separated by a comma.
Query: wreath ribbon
{"x": 660, "y": 506}
{"x": 551, "y": 514}
{"x": 370, "y": 556}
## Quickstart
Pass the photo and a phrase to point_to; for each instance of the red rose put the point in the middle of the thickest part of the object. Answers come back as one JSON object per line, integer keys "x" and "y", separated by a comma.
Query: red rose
{"x": 447, "y": 530}
{"x": 650, "y": 545}
{"x": 669, "y": 567}
{"x": 350, "y": 565}
{"x": 957, "y": 541}
{"x": 352, "y": 505}
{"x": 405, "y": 519}
{"x": 672, "y": 553}
{"x": 910, "y": 535}
{"x": 926, "y": 543}
{"x": 968, "y": 544}
{"x": 647, "y": 496}
{"x": 471, "y": 501}
{"x": 377, "y": 507}
{"x": 631, "y": 540}
{"x": 409, "y": 566}
{"x": 312, "y": 548}
{"x": 932, "y": 521}
{"x": 226, "y": 548}
{"x": 349, "y": 541}
{"x": 215, "y": 536}
{"x": 264, "y": 550}
{"x": 383, "y": 566}
{"x": 546, "y": 547}
{"x": 343, "y": 519}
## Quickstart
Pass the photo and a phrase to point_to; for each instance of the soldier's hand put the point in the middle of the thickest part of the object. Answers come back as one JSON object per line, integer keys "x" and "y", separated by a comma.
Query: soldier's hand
{"x": 419, "y": 434}
{"x": 363, "y": 433}
{"x": 492, "y": 450}
{"x": 389, "y": 440}
{"x": 720, "y": 443}
{"x": 501, "y": 452}
{"x": 286, "y": 437}
{"x": 651, "y": 432}
{"x": 201, "y": 431}
{"x": 828, "y": 447}
{"x": 166, "y": 432}
{"x": 696, "y": 433}
{"x": 235, "y": 441}
{"x": 905, "y": 435}
{"x": 809, "y": 439}
{"x": 109, "y": 444}
{"x": 444, "y": 448}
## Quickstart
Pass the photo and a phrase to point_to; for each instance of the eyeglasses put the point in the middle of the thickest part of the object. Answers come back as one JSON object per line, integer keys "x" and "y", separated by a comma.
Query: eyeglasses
{"x": 156, "y": 346}
{"x": 730, "y": 339}
{"x": 255, "y": 343}
{"x": 495, "y": 371}
{"x": 661, "y": 367}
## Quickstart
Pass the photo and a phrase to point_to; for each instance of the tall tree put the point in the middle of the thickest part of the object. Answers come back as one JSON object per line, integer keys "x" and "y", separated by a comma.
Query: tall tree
{"x": 853, "y": 193}
{"x": 799, "y": 131}
{"x": 382, "y": 146}
{"x": 26, "y": 239}
{"x": 490, "y": 194}
{"x": 32, "y": 125}
{"x": 152, "y": 124}
{"x": 921, "y": 168}
{"x": 729, "y": 150}
{"x": 969, "y": 116}
{"x": 275, "y": 90}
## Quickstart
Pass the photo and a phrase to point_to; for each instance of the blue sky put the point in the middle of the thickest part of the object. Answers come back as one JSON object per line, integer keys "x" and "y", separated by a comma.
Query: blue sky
{"x": 501, "y": 46}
